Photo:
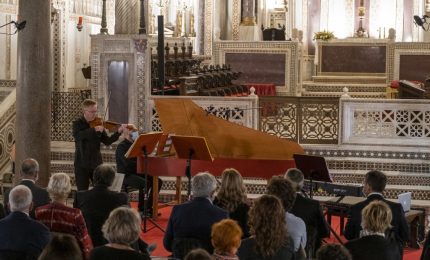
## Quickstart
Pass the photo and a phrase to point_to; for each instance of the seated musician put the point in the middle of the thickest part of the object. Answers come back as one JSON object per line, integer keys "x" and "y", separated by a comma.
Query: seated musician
{"x": 128, "y": 166}
{"x": 309, "y": 210}
{"x": 374, "y": 185}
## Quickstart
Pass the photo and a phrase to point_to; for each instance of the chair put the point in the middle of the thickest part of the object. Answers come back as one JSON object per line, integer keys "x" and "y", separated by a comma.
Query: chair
{"x": 182, "y": 246}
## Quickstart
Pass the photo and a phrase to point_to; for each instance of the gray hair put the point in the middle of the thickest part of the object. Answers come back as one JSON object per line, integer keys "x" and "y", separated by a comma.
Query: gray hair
{"x": 59, "y": 186}
{"x": 29, "y": 167}
{"x": 20, "y": 198}
{"x": 122, "y": 226}
{"x": 296, "y": 177}
{"x": 203, "y": 184}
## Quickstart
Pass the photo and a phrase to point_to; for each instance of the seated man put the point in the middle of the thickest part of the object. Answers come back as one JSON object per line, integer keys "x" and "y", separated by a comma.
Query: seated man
{"x": 310, "y": 211}
{"x": 21, "y": 237}
{"x": 374, "y": 185}
{"x": 97, "y": 203}
{"x": 29, "y": 176}
{"x": 194, "y": 219}
{"x": 129, "y": 168}
{"x": 296, "y": 227}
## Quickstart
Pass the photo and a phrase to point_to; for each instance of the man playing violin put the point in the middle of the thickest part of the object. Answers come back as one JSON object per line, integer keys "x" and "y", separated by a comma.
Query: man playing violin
{"x": 128, "y": 166}
{"x": 87, "y": 143}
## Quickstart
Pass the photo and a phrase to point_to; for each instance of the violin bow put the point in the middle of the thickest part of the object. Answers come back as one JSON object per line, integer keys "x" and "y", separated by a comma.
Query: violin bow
{"x": 107, "y": 106}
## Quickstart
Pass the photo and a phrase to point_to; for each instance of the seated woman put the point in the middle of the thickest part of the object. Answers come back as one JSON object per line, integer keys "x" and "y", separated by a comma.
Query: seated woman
{"x": 373, "y": 243}
{"x": 270, "y": 239}
{"x": 61, "y": 246}
{"x": 121, "y": 229}
{"x": 232, "y": 197}
{"x": 226, "y": 236}
{"x": 58, "y": 217}
{"x": 333, "y": 251}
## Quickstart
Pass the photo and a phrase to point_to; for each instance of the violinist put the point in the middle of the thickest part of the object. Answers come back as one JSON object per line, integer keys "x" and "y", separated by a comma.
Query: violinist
{"x": 88, "y": 137}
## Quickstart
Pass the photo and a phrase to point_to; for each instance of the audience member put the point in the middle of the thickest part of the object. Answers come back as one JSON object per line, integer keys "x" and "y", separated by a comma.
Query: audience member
{"x": 309, "y": 211}
{"x": 270, "y": 239}
{"x": 128, "y": 166}
{"x": 29, "y": 176}
{"x": 226, "y": 236}
{"x": 190, "y": 223}
{"x": 58, "y": 217}
{"x": 121, "y": 229}
{"x": 374, "y": 185}
{"x": 61, "y": 246}
{"x": 96, "y": 204}
{"x": 282, "y": 188}
{"x": 425, "y": 255}
{"x": 232, "y": 197}
{"x": 21, "y": 236}
{"x": 373, "y": 243}
{"x": 333, "y": 252}
{"x": 2, "y": 212}
{"x": 198, "y": 254}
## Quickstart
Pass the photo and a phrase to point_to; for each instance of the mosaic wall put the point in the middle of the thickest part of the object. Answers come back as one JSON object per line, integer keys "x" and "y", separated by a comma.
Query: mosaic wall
{"x": 66, "y": 107}
{"x": 304, "y": 120}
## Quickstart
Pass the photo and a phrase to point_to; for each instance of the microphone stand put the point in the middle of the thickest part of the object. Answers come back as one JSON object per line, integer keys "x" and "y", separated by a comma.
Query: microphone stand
{"x": 145, "y": 200}
{"x": 11, "y": 22}
{"x": 188, "y": 172}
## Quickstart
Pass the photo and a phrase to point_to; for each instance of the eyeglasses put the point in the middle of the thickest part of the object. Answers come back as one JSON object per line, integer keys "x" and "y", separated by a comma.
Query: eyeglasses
{"x": 91, "y": 111}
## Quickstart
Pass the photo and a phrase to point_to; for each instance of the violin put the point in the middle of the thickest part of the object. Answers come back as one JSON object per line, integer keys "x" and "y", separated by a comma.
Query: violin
{"x": 109, "y": 125}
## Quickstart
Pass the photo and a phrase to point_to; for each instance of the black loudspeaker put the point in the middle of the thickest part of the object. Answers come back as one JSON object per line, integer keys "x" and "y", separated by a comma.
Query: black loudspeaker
{"x": 87, "y": 72}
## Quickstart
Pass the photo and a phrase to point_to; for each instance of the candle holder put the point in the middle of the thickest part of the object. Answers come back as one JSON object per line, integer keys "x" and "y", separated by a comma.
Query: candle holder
{"x": 361, "y": 32}
{"x": 79, "y": 26}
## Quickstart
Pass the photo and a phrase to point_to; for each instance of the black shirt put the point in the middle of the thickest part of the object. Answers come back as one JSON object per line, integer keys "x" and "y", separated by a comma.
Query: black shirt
{"x": 125, "y": 165}
{"x": 108, "y": 253}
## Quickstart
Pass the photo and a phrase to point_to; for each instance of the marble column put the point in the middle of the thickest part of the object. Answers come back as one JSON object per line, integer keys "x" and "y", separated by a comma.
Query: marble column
{"x": 201, "y": 29}
{"x": 34, "y": 85}
{"x": 248, "y": 30}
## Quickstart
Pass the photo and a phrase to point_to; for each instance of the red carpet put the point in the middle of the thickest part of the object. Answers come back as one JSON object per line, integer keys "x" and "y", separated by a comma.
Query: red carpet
{"x": 154, "y": 235}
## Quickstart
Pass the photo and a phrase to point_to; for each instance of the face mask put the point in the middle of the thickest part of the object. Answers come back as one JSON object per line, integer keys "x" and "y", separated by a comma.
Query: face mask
{"x": 134, "y": 135}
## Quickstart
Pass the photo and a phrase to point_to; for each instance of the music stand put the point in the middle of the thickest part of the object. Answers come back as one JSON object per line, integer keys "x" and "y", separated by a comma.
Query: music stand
{"x": 144, "y": 145}
{"x": 191, "y": 147}
{"x": 313, "y": 168}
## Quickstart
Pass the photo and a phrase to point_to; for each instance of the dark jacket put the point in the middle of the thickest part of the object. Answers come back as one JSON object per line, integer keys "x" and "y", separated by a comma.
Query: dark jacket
{"x": 40, "y": 196}
{"x": 240, "y": 214}
{"x": 96, "y": 204}
{"x": 87, "y": 144}
{"x": 193, "y": 219}
{"x": 20, "y": 233}
{"x": 310, "y": 212}
{"x": 247, "y": 251}
{"x": 399, "y": 224}
{"x": 125, "y": 165}
{"x": 373, "y": 247}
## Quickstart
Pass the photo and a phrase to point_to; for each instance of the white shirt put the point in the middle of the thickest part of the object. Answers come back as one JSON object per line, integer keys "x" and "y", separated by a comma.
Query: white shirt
{"x": 296, "y": 228}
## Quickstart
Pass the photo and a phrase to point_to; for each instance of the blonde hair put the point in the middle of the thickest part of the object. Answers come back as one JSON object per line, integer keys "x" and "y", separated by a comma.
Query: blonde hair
{"x": 232, "y": 191}
{"x": 88, "y": 102}
{"x": 376, "y": 217}
{"x": 59, "y": 186}
{"x": 226, "y": 235}
{"x": 122, "y": 226}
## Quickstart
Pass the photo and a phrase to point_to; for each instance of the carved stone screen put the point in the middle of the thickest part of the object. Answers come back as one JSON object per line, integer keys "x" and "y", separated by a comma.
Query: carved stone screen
{"x": 414, "y": 67}
{"x": 353, "y": 59}
{"x": 258, "y": 67}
